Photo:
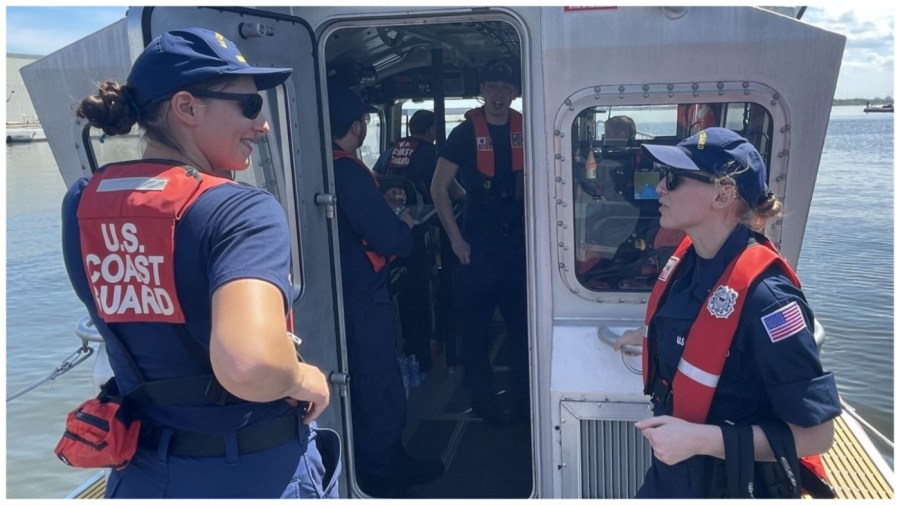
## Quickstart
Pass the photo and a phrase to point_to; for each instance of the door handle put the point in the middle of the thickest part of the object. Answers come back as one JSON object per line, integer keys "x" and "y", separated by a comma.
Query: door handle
{"x": 327, "y": 200}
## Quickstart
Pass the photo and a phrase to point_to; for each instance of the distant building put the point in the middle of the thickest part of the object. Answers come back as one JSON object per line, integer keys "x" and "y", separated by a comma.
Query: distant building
{"x": 19, "y": 110}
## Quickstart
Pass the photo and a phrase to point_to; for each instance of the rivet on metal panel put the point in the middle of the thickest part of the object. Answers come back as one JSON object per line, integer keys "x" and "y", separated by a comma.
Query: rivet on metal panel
{"x": 558, "y": 179}
{"x": 695, "y": 86}
{"x": 671, "y": 94}
{"x": 786, "y": 128}
{"x": 783, "y": 154}
{"x": 646, "y": 87}
{"x": 561, "y": 266}
{"x": 696, "y": 93}
{"x": 621, "y": 96}
{"x": 556, "y": 132}
{"x": 565, "y": 248}
{"x": 564, "y": 204}
{"x": 745, "y": 84}
{"x": 568, "y": 102}
{"x": 560, "y": 244}
{"x": 560, "y": 223}
{"x": 559, "y": 201}
{"x": 597, "y": 89}
{"x": 670, "y": 86}
{"x": 562, "y": 135}
{"x": 562, "y": 158}
{"x": 720, "y": 85}
{"x": 621, "y": 88}
{"x": 646, "y": 95}
{"x": 562, "y": 181}
{"x": 780, "y": 177}
{"x": 558, "y": 156}
{"x": 621, "y": 300}
{"x": 776, "y": 96}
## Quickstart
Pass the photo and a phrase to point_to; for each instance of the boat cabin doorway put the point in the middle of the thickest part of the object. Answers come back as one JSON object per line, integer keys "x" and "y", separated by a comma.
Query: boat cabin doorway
{"x": 400, "y": 66}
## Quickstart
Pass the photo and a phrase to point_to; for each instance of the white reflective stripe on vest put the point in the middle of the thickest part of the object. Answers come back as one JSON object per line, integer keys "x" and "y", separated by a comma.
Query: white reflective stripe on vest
{"x": 131, "y": 183}
{"x": 697, "y": 375}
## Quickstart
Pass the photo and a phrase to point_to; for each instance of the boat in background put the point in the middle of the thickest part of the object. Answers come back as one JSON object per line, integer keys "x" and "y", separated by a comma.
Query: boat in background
{"x": 879, "y": 108}
{"x": 19, "y": 136}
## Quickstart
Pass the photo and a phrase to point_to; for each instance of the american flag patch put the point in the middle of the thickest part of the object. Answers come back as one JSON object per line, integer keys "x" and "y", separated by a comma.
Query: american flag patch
{"x": 784, "y": 322}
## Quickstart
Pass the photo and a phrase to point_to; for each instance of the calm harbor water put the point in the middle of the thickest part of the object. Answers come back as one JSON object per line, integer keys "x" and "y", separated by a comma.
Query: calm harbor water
{"x": 846, "y": 265}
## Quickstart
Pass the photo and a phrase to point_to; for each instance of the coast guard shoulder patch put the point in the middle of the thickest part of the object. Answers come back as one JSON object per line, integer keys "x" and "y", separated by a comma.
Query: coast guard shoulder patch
{"x": 784, "y": 322}
{"x": 721, "y": 303}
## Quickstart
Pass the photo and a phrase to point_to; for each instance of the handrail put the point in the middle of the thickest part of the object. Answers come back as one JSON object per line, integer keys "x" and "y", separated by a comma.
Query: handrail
{"x": 852, "y": 412}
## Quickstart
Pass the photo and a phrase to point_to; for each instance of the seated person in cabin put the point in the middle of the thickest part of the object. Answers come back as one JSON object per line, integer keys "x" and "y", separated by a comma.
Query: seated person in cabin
{"x": 371, "y": 234}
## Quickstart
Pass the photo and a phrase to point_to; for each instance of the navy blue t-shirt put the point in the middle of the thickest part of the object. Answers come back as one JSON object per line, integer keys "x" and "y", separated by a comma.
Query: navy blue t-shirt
{"x": 231, "y": 232}
{"x": 502, "y": 204}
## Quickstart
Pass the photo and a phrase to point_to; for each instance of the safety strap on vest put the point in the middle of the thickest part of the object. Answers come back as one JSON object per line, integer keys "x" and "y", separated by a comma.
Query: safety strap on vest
{"x": 376, "y": 260}
{"x": 712, "y": 332}
{"x": 484, "y": 146}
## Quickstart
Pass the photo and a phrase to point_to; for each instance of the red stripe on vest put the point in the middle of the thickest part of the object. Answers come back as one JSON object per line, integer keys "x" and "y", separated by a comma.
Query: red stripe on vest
{"x": 711, "y": 334}
{"x": 484, "y": 147}
{"x": 126, "y": 220}
{"x": 378, "y": 261}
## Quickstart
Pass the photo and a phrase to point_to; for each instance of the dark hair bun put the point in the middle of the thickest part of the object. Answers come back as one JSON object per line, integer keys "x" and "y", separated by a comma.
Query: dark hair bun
{"x": 110, "y": 109}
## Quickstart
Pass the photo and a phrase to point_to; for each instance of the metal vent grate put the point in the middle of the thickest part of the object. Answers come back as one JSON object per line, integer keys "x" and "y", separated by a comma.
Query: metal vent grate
{"x": 603, "y": 454}
{"x": 614, "y": 458}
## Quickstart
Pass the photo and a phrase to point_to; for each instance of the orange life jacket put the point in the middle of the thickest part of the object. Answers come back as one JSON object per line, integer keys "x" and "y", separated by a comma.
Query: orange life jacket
{"x": 126, "y": 220}
{"x": 711, "y": 334}
{"x": 484, "y": 147}
{"x": 402, "y": 153}
{"x": 378, "y": 261}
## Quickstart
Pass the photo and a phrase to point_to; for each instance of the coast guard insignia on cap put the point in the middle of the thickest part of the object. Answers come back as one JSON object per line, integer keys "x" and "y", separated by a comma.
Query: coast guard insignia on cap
{"x": 784, "y": 322}
{"x": 721, "y": 303}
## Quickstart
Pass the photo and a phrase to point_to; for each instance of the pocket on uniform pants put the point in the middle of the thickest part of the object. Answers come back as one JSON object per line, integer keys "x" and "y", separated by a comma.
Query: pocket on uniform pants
{"x": 319, "y": 468}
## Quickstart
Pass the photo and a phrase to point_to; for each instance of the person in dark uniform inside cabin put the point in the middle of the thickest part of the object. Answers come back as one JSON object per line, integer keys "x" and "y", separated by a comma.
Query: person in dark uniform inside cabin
{"x": 413, "y": 159}
{"x": 371, "y": 234}
{"x": 486, "y": 154}
{"x": 729, "y": 356}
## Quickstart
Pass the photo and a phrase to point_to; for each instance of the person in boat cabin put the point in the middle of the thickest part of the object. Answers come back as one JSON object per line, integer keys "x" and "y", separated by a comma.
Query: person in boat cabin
{"x": 486, "y": 154}
{"x": 412, "y": 159}
{"x": 619, "y": 128}
{"x": 371, "y": 235}
{"x": 186, "y": 274}
{"x": 728, "y": 347}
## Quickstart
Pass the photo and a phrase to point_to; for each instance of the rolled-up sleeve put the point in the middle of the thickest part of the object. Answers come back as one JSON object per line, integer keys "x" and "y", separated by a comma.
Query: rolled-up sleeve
{"x": 806, "y": 403}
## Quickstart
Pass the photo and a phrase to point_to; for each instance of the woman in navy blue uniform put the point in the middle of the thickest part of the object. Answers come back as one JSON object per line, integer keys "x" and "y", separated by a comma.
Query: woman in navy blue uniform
{"x": 728, "y": 340}
{"x": 207, "y": 291}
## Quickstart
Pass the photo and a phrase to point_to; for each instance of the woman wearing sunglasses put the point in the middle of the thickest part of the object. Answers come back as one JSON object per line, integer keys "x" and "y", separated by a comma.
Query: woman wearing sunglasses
{"x": 187, "y": 277}
{"x": 730, "y": 362}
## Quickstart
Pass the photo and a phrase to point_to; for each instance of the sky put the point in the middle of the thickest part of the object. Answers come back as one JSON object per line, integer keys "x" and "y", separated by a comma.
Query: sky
{"x": 867, "y": 70}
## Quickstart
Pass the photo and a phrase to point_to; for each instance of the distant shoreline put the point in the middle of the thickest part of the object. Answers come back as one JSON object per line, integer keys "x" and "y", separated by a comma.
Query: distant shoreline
{"x": 862, "y": 101}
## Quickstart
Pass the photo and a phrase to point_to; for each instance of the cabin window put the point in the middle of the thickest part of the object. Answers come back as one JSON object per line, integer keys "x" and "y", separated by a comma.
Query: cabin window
{"x": 370, "y": 150}
{"x": 618, "y": 242}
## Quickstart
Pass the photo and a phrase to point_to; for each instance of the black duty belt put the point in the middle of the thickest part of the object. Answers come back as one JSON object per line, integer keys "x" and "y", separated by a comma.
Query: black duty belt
{"x": 254, "y": 438}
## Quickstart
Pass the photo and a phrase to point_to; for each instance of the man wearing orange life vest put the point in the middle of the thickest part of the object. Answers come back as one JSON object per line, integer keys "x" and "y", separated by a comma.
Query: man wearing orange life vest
{"x": 728, "y": 343}
{"x": 370, "y": 236}
{"x": 486, "y": 154}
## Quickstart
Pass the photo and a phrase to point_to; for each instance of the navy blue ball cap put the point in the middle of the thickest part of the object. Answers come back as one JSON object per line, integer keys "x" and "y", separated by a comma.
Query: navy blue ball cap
{"x": 181, "y": 58}
{"x": 719, "y": 152}
{"x": 503, "y": 70}
{"x": 345, "y": 106}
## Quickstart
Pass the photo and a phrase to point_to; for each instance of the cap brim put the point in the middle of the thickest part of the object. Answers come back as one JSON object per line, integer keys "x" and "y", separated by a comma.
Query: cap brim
{"x": 265, "y": 78}
{"x": 672, "y": 156}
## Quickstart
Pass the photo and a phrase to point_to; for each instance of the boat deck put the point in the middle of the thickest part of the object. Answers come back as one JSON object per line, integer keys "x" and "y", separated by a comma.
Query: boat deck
{"x": 852, "y": 472}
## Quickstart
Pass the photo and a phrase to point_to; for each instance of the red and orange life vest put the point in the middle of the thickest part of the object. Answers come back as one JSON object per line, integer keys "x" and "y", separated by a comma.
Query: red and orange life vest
{"x": 378, "y": 261}
{"x": 484, "y": 147}
{"x": 126, "y": 219}
{"x": 711, "y": 334}
{"x": 402, "y": 153}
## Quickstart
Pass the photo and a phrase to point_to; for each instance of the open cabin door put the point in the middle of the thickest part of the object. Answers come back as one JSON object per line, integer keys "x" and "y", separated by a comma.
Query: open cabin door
{"x": 288, "y": 163}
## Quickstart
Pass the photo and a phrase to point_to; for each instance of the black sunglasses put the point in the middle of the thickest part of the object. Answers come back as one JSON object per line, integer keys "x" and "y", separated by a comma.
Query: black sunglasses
{"x": 251, "y": 103}
{"x": 673, "y": 176}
